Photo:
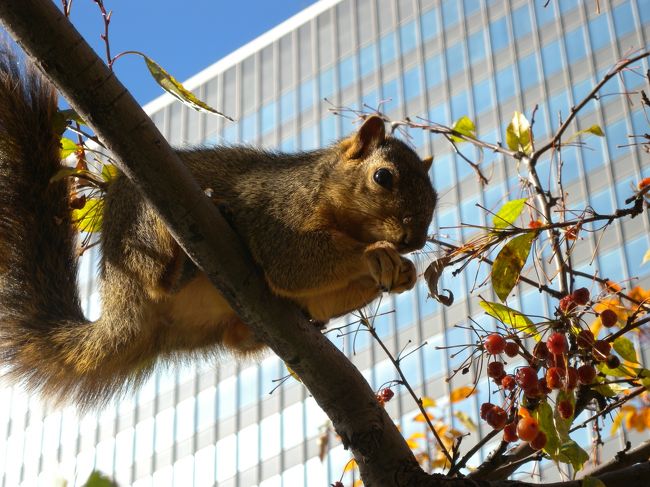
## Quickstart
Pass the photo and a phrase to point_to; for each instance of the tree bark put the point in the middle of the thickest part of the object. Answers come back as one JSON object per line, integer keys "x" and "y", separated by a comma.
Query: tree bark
{"x": 144, "y": 156}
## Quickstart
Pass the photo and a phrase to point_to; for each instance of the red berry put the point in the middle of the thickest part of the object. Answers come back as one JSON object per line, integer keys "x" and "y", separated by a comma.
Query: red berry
{"x": 565, "y": 408}
{"x": 585, "y": 339}
{"x": 495, "y": 344}
{"x": 544, "y": 389}
{"x": 338, "y": 483}
{"x": 586, "y": 374}
{"x": 581, "y": 296}
{"x": 601, "y": 350}
{"x": 508, "y": 382}
{"x": 496, "y": 371}
{"x": 612, "y": 361}
{"x": 539, "y": 441}
{"x": 527, "y": 428}
{"x": 526, "y": 378}
{"x": 554, "y": 377}
{"x": 567, "y": 304}
{"x": 496, "y": 417}
{"x": 540, "y": 351}
{"x": 511, "y": 349}
{"x": 644, "y": 183}
{"x": 557, "y": 343}
{"x": 608, "y": 318}
{"x": 571, "y": 378}
{"x": 485, "y": 408}
{"x": 386, "y": 394}
{"x": 510, "y": 433}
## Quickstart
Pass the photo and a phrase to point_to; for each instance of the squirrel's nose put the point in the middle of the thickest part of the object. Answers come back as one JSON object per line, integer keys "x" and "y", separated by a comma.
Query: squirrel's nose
{"x": 412, "y": 239}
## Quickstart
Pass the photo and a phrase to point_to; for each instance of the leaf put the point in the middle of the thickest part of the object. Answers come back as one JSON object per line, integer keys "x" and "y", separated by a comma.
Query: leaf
{"x": 60, "y": 120}
{"x": 292, "y": 373}
{"x": 419, "y": 418}
{"x": 572, "y": 453}
{"x": 173, "y": 87}
{"x": 509, "y": 263}
{"x": 562, "y": 425}
{"x": 605, "y": 389}
{"x": 620, "y": 371}
{"x": 432, "y": 275}
{"x": 96, "y": 479}
{"x": 67, "y": 147}
{"x": 508, "y": 213}
{"x": 625, "y": 348}
{"x": 593, "y": 130}
{"x": 509, "y": 316}
{"x": 351, "y": 465}
{"x": 544, "y": 415}
{"x": 465, "y": 420}
{"x": 109, "y": 172}
{"x": 89, "y": 218}
{"x": 518, "y": 134}
{"x": 427, "y": 402}
{"x": 646, "y": 257}
{"x": 592, "y": 482}
{"x": 464, "y": 126}
{"x": 462, "y": 393}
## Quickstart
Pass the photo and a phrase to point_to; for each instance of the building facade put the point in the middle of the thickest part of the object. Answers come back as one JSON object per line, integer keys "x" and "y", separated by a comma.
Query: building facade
{"x": 236, "y": 425}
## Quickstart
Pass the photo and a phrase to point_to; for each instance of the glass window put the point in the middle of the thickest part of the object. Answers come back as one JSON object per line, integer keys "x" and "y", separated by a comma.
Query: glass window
{"x": 429, "y": 24}
{"x": 294, "y": 476}
{"x": 552, "y": 57}
{"x": 408, "y": 37}
{"x": 567, "y": 5}
{"x": 387, "y": 51}
{"x": 599, "y": 32}
{"x": 307, "y": 138}
{"x": 248, "y": 386}
{"x": 427, "y": 304}
{"x": 328, "y": 129}
{"x": 635, "y": 250}
{"x": 611, "y": 265}
{"x": 412, "y": 87}
{"x": 644, "y": 10}
{"x": 455, "y": 336}
{"x": 226, "y": 396}
{"x": 204, "y": 467}
{"x": 469, "y": 211}
{"x": 505, "y": 84}
{"x": 593, "y": 154}
{"x": 450, "y": 12}
{"x": 367, "y": 60}
{"x": 124, "y": 449}
{"x": 545, "y": 12}
{"x": 455, "y": 59}
{"x": 370, "y": 99}
{"x": 287, "y": 106}
{"x": 617, "y": 136}
{"x": 521, "y": 21}
{"x": 528, "y": 71}
{"x": 624, "y": 191}
{"x": 433, "y": 360}
{"x": 269, "y": 434}
{"x": 623, "y": 19}
{"x": 499, "y": 34}
{"x": 439, "y": 114}
{"x": 602, "y": 202}
{"x": 433, "y": 70}
{"x": 306, "y": 95}
{"x": 576, "y": 47}
{"x": 226, "y": 457}
{"x": 247, "y": 445}
{"x": 580, "y": 91}
{"x": 268, "y": 117}
{"x": 390, "y": 95}
{"x": 327, "y": 83}
{"x": 476, "y": 44}
{"x": 144, "y": 438}
{"x": 288, "y": 144}
{"x": 483, "y": 96}
{"x": 384, "y": 372}
{"x": 314, "y": 418}
{"x": 570, "y": 169}
{"x": 164, "y": 429}
{"x": 558, "y": 106}
{"x": 347, "y": 72}
{"x": 471, "y": 6}
{"x": 206, "y": 408}
{"x": 292, "y": 426}
{"x": 404, "y": 310}
{"x": 185, "y": 419}
{"x": 459, "y": 106}
{"x": 443, "y": 176}
{"x": 249, "y": 127}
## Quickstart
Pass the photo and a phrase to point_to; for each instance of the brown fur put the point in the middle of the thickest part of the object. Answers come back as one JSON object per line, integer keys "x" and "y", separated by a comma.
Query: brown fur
{"x": 324, "y": 232}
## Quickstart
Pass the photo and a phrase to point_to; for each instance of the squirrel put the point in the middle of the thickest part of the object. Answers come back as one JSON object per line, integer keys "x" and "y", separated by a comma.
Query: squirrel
{"x": 326, "y": 227}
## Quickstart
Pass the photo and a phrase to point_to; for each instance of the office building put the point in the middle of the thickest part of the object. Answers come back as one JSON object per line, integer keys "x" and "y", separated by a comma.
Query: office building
{"x": 233, "y": 424}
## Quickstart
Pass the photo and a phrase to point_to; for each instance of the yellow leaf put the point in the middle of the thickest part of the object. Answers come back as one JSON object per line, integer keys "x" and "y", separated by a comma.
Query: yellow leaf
{"x": 518, "y": 134}
{"x": 351, "y": 465}
{"x": 646, "y": 257}
{"x": 427, "y": 402}
{"x": 417, "y": 436}
{"x": 412, "y": 444}
{"x": 89, "y": 218}
{"x": 622, "y": 414}
{"x": 419, "y": 418}
{"x": 465, "y": 420}
{"x": 292, "y": 373}
{"x": 358, "y": 483}
{"x": 461, "y": 393}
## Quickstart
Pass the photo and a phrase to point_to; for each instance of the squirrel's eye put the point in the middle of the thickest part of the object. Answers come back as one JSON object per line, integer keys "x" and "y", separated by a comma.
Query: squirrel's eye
{"x": 383, "y": 177}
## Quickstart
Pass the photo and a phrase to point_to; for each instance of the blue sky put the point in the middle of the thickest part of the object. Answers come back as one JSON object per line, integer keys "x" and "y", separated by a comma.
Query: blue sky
{"x": 182, "y": 36}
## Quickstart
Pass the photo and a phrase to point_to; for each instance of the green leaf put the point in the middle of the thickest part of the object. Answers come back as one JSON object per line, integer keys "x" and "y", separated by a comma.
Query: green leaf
{"x": 544, "y": 415}
{"x": 173, "y": 87}
{"x": 508, "y": 213}
{"x": 606, "y": 390}
{"x": 89, "y": 218}
{"x": 60, "y": 120}
{"x": 464, "y": 126}
{"x": 518, "y": 134}
{"x": 625, "y": 348}
{"x": 572, "y": 453}
{"x": 67, "y": 147}
{"x": 96, "y": 479}
{"x": 109, "y": 172}
{"x": 593, "y": 130}
{"x": 511, "y": 317}
{"x": 564, "y": 425}
{"x": 620, "y": 371}
{"x": 509, "y": 263}
{"x": 592, "y": 482}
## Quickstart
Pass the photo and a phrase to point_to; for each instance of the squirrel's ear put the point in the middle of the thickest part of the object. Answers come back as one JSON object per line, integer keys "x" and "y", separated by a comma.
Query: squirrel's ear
{"x": 427, "y": 161}
{"x": 370, "y": 134}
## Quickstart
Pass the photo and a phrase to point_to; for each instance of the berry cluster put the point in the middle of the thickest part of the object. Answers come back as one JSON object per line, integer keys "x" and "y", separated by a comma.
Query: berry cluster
{"x": 563, "y": 361}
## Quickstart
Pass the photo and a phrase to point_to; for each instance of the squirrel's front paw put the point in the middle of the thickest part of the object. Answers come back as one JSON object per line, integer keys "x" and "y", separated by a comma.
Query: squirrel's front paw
{"x": 389, "y": 269}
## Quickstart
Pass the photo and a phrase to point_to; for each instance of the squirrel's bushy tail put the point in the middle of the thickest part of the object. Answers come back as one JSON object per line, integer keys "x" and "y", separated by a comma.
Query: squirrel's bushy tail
{"x": 42, "y": 327}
